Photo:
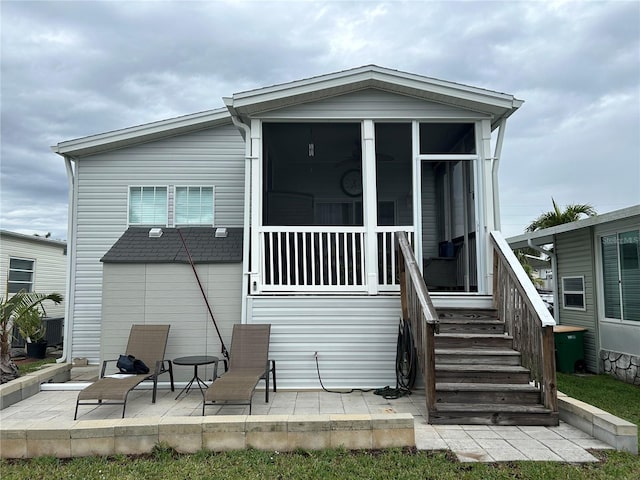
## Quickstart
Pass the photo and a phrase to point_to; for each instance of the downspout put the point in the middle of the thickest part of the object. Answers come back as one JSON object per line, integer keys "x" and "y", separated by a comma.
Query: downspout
{"x": 552, "y": 256}
{"x": 71, "y": 253}
{"x": 494, "y": 172}
{"x": 246, "y": 234}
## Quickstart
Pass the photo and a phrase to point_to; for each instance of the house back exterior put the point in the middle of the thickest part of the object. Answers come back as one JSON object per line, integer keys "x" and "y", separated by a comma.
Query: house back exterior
{"x": 288, "y": 199}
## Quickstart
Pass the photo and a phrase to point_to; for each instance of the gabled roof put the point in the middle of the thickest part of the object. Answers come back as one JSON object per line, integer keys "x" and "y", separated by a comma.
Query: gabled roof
{"x": 545, "y": 236}
{"x": 143, "y": 133}
{"x": 135, "y": 246}
{"x": 252, "y": 102}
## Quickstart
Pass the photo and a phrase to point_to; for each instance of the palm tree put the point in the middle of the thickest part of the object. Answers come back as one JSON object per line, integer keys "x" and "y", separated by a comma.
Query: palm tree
{"x": 12, "y": 309}
{"x": 571, "y": 213}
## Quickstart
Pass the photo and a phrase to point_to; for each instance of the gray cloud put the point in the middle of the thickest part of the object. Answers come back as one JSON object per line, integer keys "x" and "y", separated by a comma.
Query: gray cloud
{"x": 71, "y": 69}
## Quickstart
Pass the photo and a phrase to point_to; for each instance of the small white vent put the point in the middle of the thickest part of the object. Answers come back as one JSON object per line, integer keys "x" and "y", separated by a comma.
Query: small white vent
{"x": 221, "y": 232}
{"x": 155, "y": 233}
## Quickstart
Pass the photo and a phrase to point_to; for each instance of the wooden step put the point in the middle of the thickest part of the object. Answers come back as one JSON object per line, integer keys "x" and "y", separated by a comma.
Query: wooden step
{"x": 519, "y": 394}
{"x": 473, "y": 314}
{"x": 477, "y": 340}
{"x": 490, "y": 414}
{"x": 459, "y": 325}
{"x": 471, "y": 356}
{"x": 453, "y": 373}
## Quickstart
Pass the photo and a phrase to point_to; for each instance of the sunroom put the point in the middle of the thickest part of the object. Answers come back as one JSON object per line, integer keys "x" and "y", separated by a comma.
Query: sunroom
{"x": 339, "y": 163}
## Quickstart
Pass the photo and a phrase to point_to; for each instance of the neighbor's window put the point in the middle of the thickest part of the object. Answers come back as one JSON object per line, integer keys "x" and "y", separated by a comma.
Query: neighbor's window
{"x": 147, "y": 205}
{"x": 194, "y": 206}
{"x": 573, "y": 293}
{"x": 20, "y": 275}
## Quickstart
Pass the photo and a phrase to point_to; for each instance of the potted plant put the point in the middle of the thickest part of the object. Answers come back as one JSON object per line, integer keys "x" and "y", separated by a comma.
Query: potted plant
{"x": 11, "y": 310}
{"x": 32, "y": 329}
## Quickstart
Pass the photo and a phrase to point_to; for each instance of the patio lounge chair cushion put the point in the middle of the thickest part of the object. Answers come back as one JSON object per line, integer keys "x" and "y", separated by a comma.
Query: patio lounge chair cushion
{"x": 146, "y": 342}
{"x": 249, "y": 363}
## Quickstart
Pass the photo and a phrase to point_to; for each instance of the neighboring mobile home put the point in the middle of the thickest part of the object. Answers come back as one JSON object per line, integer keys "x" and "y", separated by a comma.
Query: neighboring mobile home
{"x": 596, "y": 264}
{"x": 313, "y": 176}
{"x": 34, "y": 264}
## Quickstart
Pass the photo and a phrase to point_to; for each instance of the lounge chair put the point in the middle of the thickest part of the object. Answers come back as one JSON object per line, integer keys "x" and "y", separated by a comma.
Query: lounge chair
{"x": 146, "y": 342}
{"x": 249, "y": 363}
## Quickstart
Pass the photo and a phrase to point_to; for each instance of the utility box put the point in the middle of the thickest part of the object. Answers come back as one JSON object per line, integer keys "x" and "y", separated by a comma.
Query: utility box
{"x": 569, "y": 343}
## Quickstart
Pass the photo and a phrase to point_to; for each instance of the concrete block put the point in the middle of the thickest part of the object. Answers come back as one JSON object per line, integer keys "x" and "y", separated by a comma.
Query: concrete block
{"x": 55, "y": 441}
{"x": 30, "y": 386}
{"x": 352, "y": 439}
{"x": 267, "y": 432}
{"x": 223, "y": 433}
{"x": 309, "y": 432}
{"x": 395, "y": 437}
{"x": 182, "y": 433}
{"x": 350, "y": 421}
{"x": 136, "y": 435}
{"x": 9, "y": 397}
{"x": 13, "y": 443}
{"x": 614, "y": 424}
{"x": 92, "y": 437}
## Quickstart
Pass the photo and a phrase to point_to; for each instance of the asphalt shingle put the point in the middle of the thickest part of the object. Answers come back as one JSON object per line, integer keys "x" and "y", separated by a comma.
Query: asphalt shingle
{"x": 135, "y": 246}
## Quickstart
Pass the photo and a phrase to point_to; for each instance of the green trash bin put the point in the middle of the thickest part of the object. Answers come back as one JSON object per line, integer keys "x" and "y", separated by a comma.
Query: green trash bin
{"x": 569, "y": 343}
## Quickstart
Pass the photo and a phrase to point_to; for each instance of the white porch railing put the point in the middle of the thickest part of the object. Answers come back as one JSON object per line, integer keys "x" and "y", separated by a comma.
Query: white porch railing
{"x": 315, "y": 259}
{"x": 326, "y": 259}
{"x": 388, "y": 275}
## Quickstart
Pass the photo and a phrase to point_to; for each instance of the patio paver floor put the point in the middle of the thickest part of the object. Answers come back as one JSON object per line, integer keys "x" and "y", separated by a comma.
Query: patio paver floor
{"x": 470, "y": 443}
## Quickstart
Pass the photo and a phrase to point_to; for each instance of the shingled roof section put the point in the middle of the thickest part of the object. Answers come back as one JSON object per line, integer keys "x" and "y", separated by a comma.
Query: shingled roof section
{"x": 135, "y": 246}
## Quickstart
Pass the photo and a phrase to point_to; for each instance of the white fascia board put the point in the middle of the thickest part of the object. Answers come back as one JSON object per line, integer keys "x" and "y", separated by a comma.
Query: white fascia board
{"x": 545, "y": 236}
{"x": 371, "y": 74}
{"x": 137, "y": 133}
{"x": 33, "y": 238}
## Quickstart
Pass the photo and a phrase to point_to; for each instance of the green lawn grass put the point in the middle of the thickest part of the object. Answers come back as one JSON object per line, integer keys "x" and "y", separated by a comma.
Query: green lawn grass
{"x": 605, "y": 392}
{"x": 29, "y": 367}
{"x": 326, "y": 464}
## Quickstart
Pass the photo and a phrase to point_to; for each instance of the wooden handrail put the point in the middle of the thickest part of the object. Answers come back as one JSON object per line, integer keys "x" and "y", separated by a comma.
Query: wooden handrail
{"x": 418, "y": 310}
{"x": 526, "y": 318}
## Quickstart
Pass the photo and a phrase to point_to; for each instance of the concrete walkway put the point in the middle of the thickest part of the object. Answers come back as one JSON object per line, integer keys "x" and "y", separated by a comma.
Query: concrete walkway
{"x": 470, "y": 443}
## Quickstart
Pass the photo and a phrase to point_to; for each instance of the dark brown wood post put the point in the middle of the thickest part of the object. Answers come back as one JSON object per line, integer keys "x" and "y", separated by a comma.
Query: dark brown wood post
{"x": 549, "y": 369}
{"x": 430, "y": 368}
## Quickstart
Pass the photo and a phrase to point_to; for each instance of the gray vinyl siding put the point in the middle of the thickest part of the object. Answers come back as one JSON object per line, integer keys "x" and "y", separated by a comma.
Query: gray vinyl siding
{"x": 209, "y": 157}
{"x": 50, "y": 267}
{"x": 372, "y": 103}
{"x": 576, "y": 257}
{"x": 355, "y": 338}
{"x": 169, "y": 294}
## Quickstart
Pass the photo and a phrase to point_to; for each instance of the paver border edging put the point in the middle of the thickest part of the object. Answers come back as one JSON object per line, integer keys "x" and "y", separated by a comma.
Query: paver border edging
{"x": 620, "y": 434}
{"x": 28, "y": 385}
{"x": 138, "y": 435}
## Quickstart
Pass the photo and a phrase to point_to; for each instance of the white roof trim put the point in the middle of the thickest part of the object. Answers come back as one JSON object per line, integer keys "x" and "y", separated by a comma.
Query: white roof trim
{"x": 136, "y": 134}
{"x": 372, "y": 73}
{"x": 545, "y": 236}
{"x": 33, "y": 238}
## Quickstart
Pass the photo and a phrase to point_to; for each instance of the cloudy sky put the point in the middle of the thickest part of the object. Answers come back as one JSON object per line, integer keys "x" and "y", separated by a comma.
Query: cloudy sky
{"x": 72, "y": 69}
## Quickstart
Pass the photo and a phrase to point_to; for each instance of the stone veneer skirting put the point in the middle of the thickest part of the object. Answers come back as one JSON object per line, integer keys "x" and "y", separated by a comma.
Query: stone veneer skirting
{"x": 622, "y": 366}
{"x": 217, "y": 433}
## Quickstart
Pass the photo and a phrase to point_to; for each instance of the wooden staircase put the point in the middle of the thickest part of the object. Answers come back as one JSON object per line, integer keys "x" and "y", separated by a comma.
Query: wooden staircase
{"x": 479, "y": 377}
